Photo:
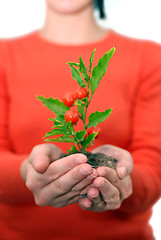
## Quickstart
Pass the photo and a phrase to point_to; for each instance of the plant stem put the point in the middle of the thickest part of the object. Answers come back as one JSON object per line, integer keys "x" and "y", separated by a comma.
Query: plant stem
{"x": 89, "y": 99}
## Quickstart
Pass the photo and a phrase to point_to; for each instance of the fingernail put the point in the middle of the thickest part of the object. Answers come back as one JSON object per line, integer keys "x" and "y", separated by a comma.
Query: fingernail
{"x": 79, "y": 160}
{"x": 122, "y": 172}
{"x": 91, "y": 176}
{"x": 94, "y": 195}
{"x": 101, "y": 185}
{"x": 83, "y": 171}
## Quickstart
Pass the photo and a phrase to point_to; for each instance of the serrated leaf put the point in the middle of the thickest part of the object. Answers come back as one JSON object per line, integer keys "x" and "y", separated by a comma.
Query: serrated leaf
{"x": 98, "y": 117}
{"x": 88, "y": 140}
{"x": 80, "y": 135}
{"x": 73, "y": 149}
{"x": 91, "y": 59}
{"x": 100, "y": 69}
{"x": 54, "y": 132}
{"x": 54, "y": 105}
{"x": 76, "y": 76}
{"x": 83, "y": 70}
{"x": 60, "y": 139}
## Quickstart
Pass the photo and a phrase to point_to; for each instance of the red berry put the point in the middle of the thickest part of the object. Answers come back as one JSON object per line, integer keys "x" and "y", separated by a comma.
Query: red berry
{"x": 94, "y": 130}
{"x": 71, "y": 115}
{"x": 81, "y": 93}
{"x": 69, "y": 99}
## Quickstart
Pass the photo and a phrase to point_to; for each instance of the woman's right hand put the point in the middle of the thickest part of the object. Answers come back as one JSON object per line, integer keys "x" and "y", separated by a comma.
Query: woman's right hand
{"x": 56, "y": 181}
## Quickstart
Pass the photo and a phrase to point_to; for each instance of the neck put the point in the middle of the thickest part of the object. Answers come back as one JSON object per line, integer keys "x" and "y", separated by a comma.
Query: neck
{"x": 71, "y": 29}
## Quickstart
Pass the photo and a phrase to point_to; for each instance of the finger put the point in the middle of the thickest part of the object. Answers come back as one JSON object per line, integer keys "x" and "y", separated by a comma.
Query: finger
{"x": 94, "y": 202}
{"x": 36, "y": 180}
{"x": 125, "y": 165}
{"x": 124, "y": 185}
{"x": 42, "y": 155}
{"x": 109, "y": 193}
{"x": 66, "y": 199}
{"x": 67, "y": 181}
{"x": 62, "y": 166}
{"x": 63, "y": 203}
{"x": 75, "y": 191}
{"x": 73, "y": 200}
{"x": 85, "y": 203}
{"x": 86, "y": 181}
{"x": 62, "y": 184}
{"x": 110, "y": 174}
{"x": 98, "y": 203}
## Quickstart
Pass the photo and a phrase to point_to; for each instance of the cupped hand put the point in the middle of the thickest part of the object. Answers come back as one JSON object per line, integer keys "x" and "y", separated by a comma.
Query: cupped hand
{"x": 111, "y": 186}
{"x": 56, "y": 181}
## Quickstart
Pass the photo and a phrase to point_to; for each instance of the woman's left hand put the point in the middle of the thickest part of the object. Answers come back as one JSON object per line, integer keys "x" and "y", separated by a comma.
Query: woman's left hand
{"x": 111, "y": 186}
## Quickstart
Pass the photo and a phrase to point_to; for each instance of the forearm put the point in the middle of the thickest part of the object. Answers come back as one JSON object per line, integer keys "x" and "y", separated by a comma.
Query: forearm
{"x": 12, "y": 187}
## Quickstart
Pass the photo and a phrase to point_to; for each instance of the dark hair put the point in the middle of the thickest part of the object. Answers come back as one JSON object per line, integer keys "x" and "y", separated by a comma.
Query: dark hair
{"x": 99, "y": 4}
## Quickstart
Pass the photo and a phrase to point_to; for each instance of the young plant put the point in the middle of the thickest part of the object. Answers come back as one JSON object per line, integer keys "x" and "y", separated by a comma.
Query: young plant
{"x": 75, "y": 105}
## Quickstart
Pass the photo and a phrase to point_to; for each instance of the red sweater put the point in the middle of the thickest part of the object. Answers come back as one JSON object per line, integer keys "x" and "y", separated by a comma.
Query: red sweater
{"x": 31, "y": 66}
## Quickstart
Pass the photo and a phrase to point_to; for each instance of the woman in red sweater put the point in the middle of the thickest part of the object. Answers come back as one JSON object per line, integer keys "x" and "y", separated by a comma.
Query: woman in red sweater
{"x": 31, "y": 171}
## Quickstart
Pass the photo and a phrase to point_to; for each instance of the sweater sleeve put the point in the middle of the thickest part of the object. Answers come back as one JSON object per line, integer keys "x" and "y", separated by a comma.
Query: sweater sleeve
{"x": 145, "y": 145}
{"x": 12, "y": 187}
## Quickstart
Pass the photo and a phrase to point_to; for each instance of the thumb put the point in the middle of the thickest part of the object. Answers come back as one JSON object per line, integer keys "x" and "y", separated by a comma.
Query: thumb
{"x": 124, "y": 165}
{"x": 42, "y": 155}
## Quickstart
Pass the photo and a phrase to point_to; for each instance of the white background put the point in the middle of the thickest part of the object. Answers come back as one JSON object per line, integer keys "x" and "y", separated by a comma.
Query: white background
{"x": 136, "y": 18}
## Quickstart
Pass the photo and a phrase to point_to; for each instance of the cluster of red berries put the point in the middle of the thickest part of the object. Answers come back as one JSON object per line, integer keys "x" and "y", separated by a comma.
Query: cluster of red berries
{"x": 69, "y": 99}
{"x": 72, "y": 114}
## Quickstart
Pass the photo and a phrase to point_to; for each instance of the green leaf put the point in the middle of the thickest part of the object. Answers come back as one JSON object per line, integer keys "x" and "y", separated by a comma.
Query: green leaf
{"x": 54, "y": 105}
{"x": 59, "y": 121}
{"x": 51, "y": 119}
{"x": 74, "y": 64}
{"x": 83, "y": 70}
{"x": 76, "y": 76}
{"x": 85, "y": 100}
{"x": 81, "y": 108}
{"x": 98, "y": 117}
{"x": 60, "y": 139}
{"x": 88, "y": 140}
{"x": 62, "y": 128}
{"x": 80, "y": 135}
{"x": 73, "y": 149}
{"x": 57, "y": 124}
{"x": 100, "y": 69}
{"x": 54, "y": 132}
{"x": 59, "y": 118}
{"x": 91, "y": 59}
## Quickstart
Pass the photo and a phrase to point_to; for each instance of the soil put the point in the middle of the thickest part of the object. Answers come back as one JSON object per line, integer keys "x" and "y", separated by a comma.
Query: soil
{"x": 99, "y": 159}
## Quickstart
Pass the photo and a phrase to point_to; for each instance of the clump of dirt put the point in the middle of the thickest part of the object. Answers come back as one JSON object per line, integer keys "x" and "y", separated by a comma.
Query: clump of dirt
{"x": 99, "y": 159}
